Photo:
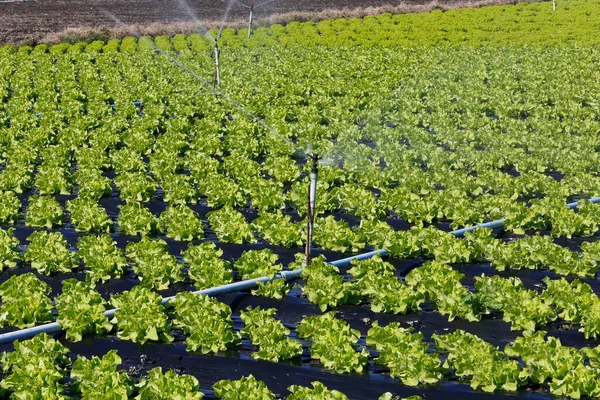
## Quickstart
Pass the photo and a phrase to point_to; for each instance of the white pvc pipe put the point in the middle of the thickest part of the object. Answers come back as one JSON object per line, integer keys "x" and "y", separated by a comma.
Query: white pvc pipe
{"x": 251, "y": 283}
{"x": 499, "y": 222}
{"x": 55, "y": 327}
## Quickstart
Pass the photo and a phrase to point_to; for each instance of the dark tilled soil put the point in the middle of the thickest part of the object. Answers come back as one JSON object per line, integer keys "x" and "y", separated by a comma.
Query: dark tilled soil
{"x": 34, "y": 20}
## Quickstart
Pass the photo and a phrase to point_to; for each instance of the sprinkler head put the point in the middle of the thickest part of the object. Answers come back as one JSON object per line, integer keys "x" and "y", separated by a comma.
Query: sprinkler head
{"x": 315, "y": 161}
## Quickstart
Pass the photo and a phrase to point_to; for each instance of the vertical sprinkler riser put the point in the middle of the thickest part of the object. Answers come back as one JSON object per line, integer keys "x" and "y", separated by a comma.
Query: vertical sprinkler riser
{"x": 250, "y": 21}
{"x": 312, "y": 200}
{"x": 217, "y": 66}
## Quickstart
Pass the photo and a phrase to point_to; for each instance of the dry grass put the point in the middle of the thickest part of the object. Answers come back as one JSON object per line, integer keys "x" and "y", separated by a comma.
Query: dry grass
{"x": 87, "y": 33}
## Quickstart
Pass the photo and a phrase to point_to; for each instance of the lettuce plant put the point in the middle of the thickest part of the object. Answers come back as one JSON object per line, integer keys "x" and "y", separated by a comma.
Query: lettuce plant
{"x": 247, "y": 387}
{"x": 472, "y": 358}
{"x": 325, "y": 287}
{"x": 88, "y": 216}
{"x": 48, "y": 253}
{"x": 230, "y": 226}
{"x": 168, "y": 386}
{"x": 92, "y": 184}
{"x": 178, "y": 189}
{"x": 25, "y": 301}
{"x": 269, "y": 335}
{"x": 98, "y": 378}
{"x": 206, "y": 267}
{"x": 318, "y": 391}
{"x": 333, "y": 343}
{"x": 51, "y": 179}
{"x": 44, "y": 212}
{"x": 36, "y": 368}
{"x": 181, "y": 223}
{"x": 81, "y": 310}
{"x": 102, "y": 259}
{"x": 206, "y": 323}
{"x": 135, "y": 186}
{"x": 135, "y": 219}
{"x": 405, "y": 353}
{"x": 9, "y": 251}
{"x": 157, "y": 269}
{"x": 10, "y": 208}
{"x": 278, "y": 230}
{"x": 140, "y": 316}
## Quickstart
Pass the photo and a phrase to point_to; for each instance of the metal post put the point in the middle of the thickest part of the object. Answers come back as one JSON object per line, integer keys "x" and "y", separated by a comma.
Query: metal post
{"x": 218, "y": 68}
{"x": 312, "y": 200}
{"x": 250, "y": 21}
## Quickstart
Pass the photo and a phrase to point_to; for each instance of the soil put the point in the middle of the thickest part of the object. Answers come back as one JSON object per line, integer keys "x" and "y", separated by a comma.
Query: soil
{"x": 36, "y": 19}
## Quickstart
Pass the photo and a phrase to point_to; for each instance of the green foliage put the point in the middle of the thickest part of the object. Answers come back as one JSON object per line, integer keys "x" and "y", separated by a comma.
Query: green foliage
{"x": 269, "y": 335}
{"x": 405, "y": 353}
{"x": 564, "y": 368}
{"x": 25, "y": 301}
{"x": 230, "y": 226}
{"x": 206, "y": 322}
{"x": 9, "y": 251}
{"x": 488, "y": 368}
{"x": 44, "y": 212}
{"x": 181, "y": 223}
{"x": 318, "y": 392}
{"x": 81, "y": 310}
{"x": 442, "y": 285}
{"x": 48, "y": 253}
{"x": 325, "y": 287}
{"x": 521, "y": 307}
{"x": 135, "y": 186}
{"x": 135, "y": 219}
{"x": 140, "y": 316}
{"x": 168, "y": 386}
{"x": 257, "y": 263}
{"x": 102, "y": 258}
{"x": 247, "y": 387}
{"x": 10, "y": 208}
{"x": 36, "y": 368}
{"x": 376, "y": 281}
{"x": 206, "y": 267}
{"x": 333, "y": 343}
{"x": 88, "y": 216}
{"x": 157, "y": 269}
{"x": 278, "y": 230}
{"x": 98, "y": 378}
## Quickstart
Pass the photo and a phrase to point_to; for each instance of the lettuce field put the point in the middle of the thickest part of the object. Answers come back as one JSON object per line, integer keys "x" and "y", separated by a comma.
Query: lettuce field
{"x": 129, "y": 180}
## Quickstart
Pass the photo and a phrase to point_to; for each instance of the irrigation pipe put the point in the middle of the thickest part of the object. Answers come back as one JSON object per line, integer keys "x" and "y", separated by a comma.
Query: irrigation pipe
{"x": 55, "y": 327}
{"x": 500, "y": 222}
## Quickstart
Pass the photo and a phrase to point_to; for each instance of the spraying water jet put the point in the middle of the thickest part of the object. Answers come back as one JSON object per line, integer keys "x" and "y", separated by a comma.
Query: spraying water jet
{"x": 251, "y": 6}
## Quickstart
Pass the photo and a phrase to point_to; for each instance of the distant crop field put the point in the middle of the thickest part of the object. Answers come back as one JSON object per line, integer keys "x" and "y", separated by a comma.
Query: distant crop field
{"x": 34, "y": 20}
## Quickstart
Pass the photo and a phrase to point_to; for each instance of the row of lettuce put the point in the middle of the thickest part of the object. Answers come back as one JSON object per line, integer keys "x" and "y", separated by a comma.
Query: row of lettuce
{"x": 525, "y": 23}
{"x": 38, "y": 368}
{"x": 26, "y": 302}
{"x": 207, "y": 325}
{"x": 464, "y": 178}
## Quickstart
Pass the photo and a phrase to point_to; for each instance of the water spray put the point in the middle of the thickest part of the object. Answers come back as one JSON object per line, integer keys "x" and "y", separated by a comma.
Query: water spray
{"x": 312, "y": 200}
{"x": 251, "y": 5}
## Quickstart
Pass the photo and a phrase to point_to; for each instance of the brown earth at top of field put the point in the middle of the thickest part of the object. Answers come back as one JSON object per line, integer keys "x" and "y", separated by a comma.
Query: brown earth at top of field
{"x": 34, "y": 21}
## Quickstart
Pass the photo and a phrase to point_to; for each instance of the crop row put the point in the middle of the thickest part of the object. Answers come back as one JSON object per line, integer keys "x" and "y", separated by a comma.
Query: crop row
{"x": 209, "y": 329}
{"x": 37, "y": 368}
{"x": 25, "y": 300}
